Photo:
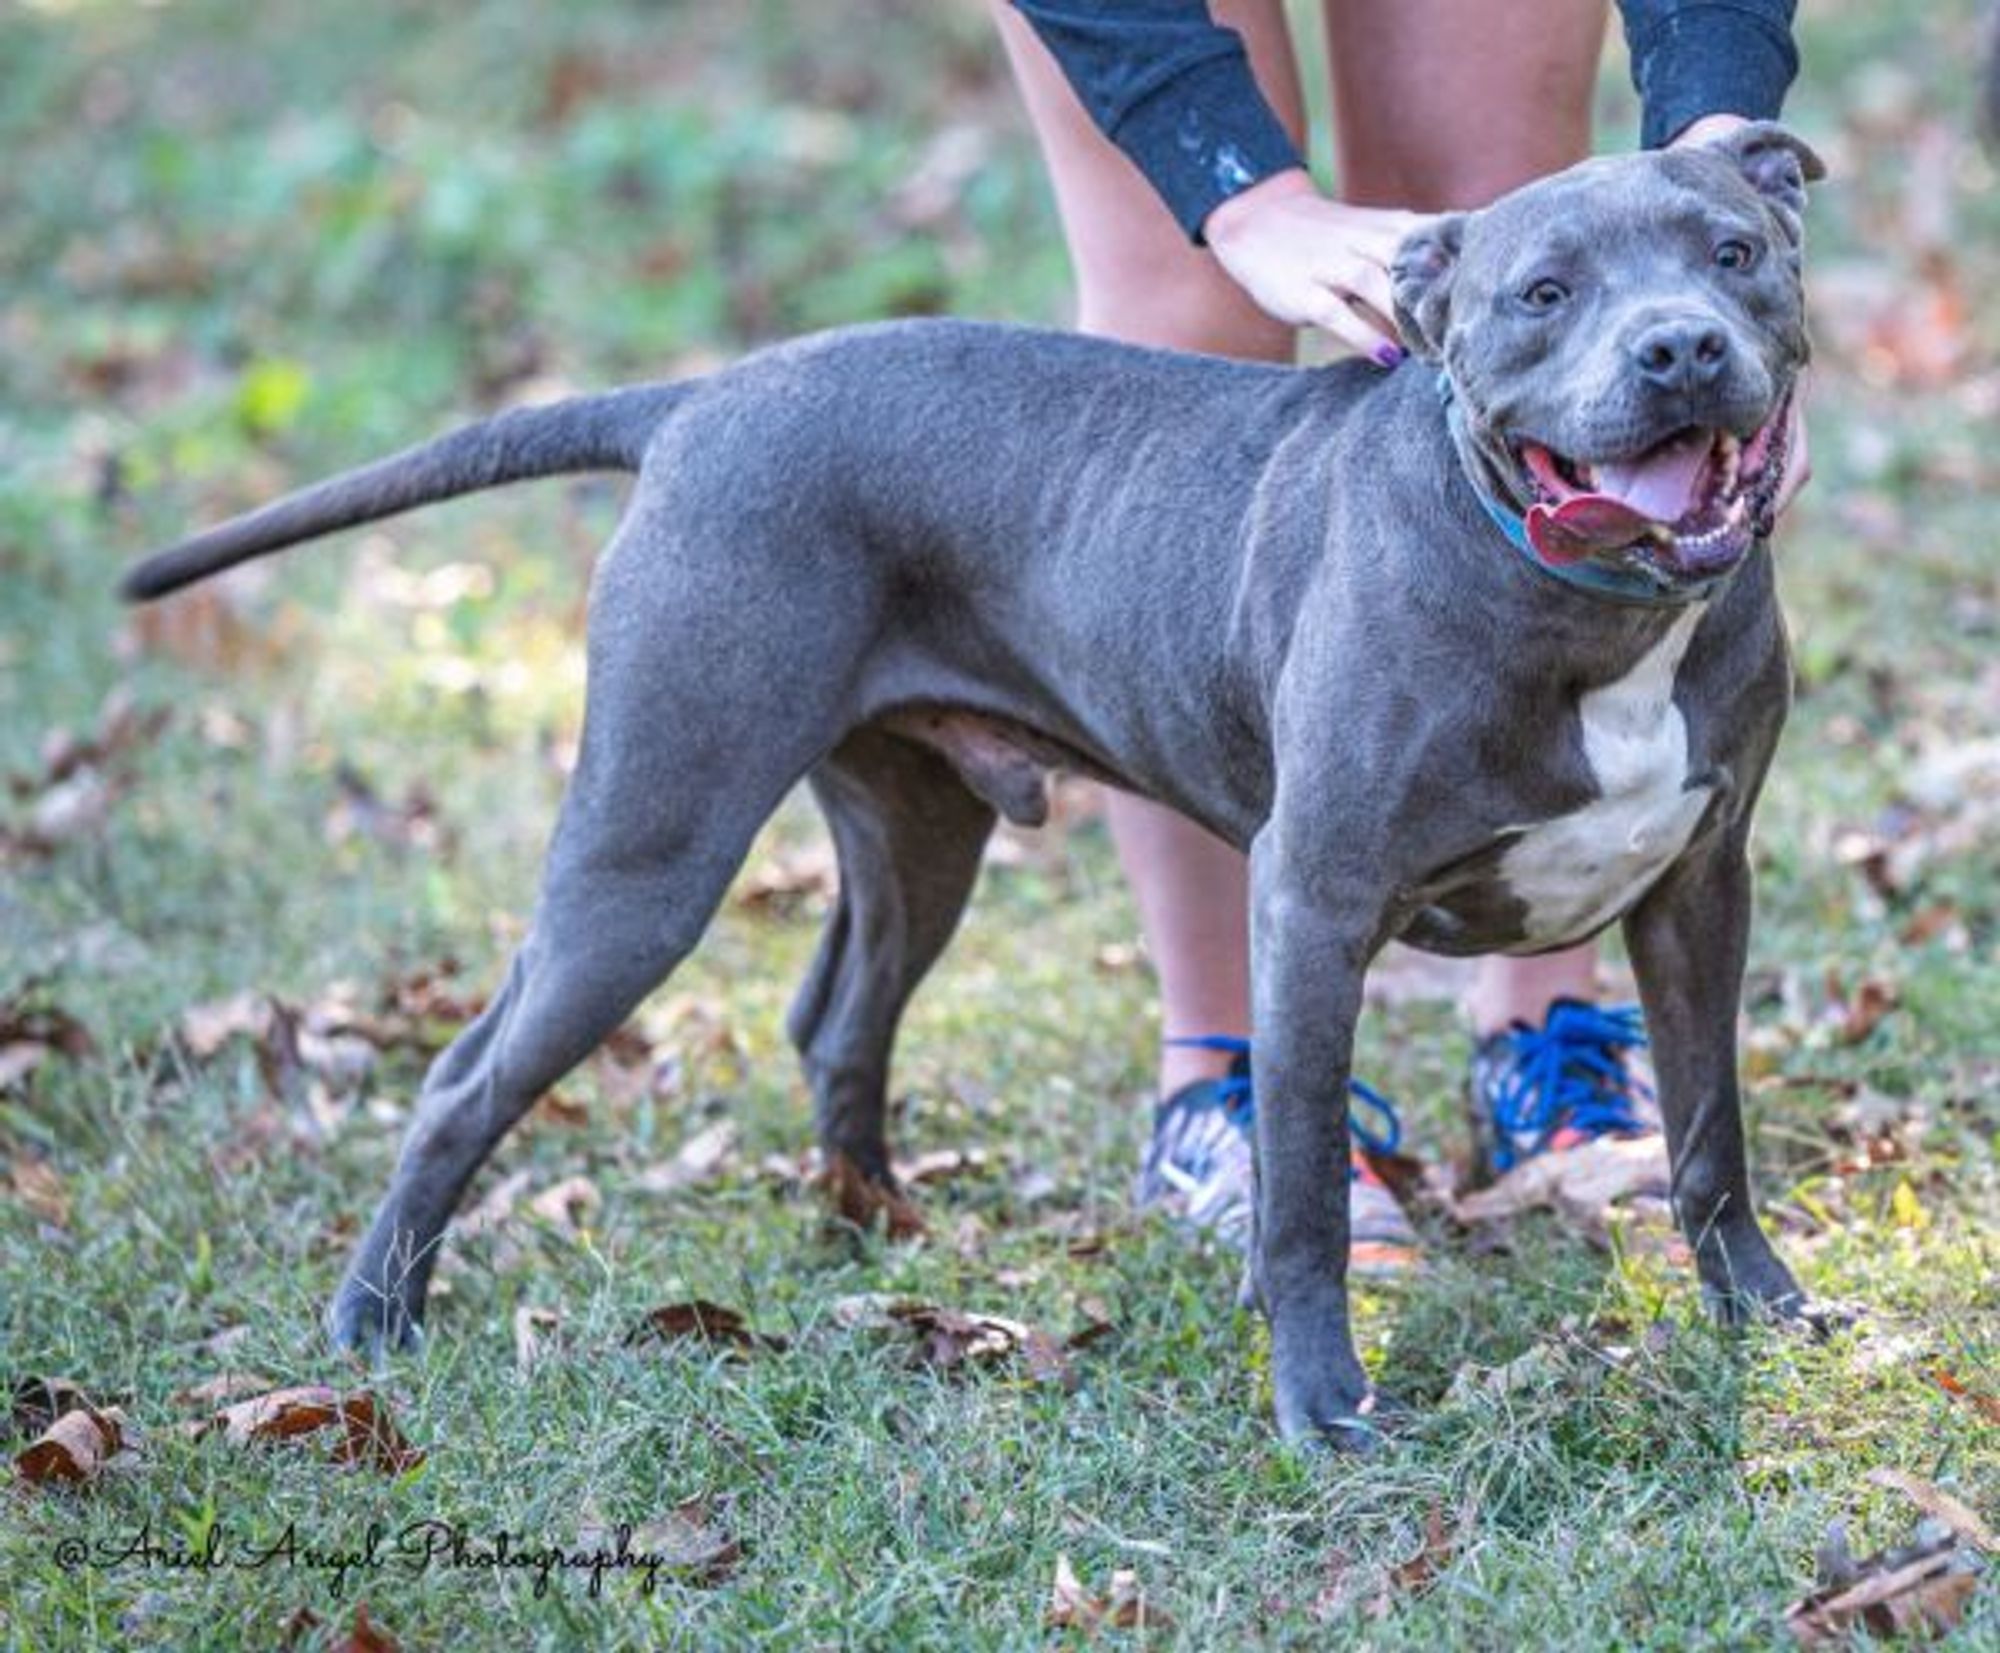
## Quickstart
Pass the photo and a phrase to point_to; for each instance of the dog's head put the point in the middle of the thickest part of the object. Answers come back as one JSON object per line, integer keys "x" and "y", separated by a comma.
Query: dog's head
{"x": 1622, "y": 341}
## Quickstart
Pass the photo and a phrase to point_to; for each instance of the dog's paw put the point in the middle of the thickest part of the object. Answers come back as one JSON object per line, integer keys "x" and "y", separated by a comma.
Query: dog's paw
{"x": 1324, "y": 1400}
{"x": 1336, "y": 1423}
{"x": 367, "y": 1321}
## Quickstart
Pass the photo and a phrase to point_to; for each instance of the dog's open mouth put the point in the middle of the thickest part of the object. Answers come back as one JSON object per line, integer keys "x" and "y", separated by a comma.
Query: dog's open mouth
{"x": 1689, "y": 506}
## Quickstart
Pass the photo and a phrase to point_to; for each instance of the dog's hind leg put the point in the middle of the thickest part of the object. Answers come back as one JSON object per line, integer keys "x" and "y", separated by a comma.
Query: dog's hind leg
{"x": 666, "y": 799}
{"x": 909, "y": 836}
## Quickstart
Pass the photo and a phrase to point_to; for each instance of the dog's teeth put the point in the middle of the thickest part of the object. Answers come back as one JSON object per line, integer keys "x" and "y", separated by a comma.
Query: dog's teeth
{"x": 1587, "y": 475}
{"x": 1732, "y": 460}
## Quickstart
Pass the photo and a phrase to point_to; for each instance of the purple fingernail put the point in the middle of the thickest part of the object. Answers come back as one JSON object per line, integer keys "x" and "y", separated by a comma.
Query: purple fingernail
{"x": 1388, "y": 355}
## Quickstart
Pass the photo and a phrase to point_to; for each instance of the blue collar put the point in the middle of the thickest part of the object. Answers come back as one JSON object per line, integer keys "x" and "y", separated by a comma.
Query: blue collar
{"x": 1633, "y": 584}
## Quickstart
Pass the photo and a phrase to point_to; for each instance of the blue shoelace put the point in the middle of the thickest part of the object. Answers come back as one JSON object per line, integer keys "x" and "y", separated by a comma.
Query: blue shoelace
{"x": 1569, "y": 1071}
{"x": 1238, "y": 1100}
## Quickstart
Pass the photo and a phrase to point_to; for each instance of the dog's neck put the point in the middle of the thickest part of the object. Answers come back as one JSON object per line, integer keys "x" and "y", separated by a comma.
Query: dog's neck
{"x": 1630, "y": 583}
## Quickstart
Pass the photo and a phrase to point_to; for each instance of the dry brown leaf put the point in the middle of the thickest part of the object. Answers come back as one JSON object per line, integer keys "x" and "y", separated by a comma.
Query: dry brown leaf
{"x": 557, "y": 1109}
{"x": 1934, "y": 1501}
{"x": 206, "y": 1028}
{"x": 791, "y": 881}
{"x": 367, "y": 1433}
{"x": 73, "y": 1449}
{"x": 1918, "y": 1590}
{"x": 359, "y": 812}
{"x": 1581, "y": 1184}
{"x": 37, "y": 1186}
{"x": 1987, "y": 1406}
{"x": 941, "y": 1165}
{"x": 859, "y": 1199}
{"x": 31, "y": 1034}
{"x": 370, "y": 1436}
{"x": 1072, "y": 1607}
{"x": 698, "y": 1160}
{"x": 950, "y": 1338}
{"x": 277, "y": 1415}
{"x": 569, "y": 1204}
{"x": 1863, "y": 1010}
{"x": 302, "y": 1622}
{"x": 691, "y": 1543}
{"x": 496, "y": 1209}
{"x": 703, "y": 1322}
{"x": 1416, "y": 1573}
{"x": 36, "y": 1402}
{"x": 535, "y": 1336}
{"x": 365, "y": 1635}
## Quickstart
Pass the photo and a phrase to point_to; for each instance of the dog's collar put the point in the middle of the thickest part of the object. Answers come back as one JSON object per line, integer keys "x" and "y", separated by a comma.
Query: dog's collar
{"x": 1618, "y": 585}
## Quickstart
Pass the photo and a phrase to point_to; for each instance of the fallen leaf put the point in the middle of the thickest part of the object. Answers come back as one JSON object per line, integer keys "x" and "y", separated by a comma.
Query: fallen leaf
{"x": 1581, "y": 1184}
{"x": 1417, "y": 1572}
{"x": 365, "y": 1635}
{"x": 370, "y": 1436}
{"x": 1072, "y": 1607}
{"x": 496, "y": 1208}
{"x": 570, "y": 1204}
{"x": 703, "y": 1322}
{"x": 278, "y": 1415}
{"x": 557, "y": 1109}
{"x": 31, "y": 1033}
{"x": 73, "y": 1449}
{"x": 367, "y": 1433}
{"x": 1862, "y": 1011}
{"x": 359, "y": 812}
{"x": 1920, "y": 1589}
{"x": 941, "y": 1165}
{"x": 534, "y": 1336}
{"x": 37, "y": 1186}
{"x": 860, "y": 1199}
{"x": 302, "y": 1622}
{"x": 1987, "y": 1406}
{"x": 791, "y": 881}
{"x": 696, "y": 1161}
{"x": 1934, "y": 1501}
{"x": 37, "y": 1402}
{"x": 951, "y": 1338}
{"x": 691, "y": 1542}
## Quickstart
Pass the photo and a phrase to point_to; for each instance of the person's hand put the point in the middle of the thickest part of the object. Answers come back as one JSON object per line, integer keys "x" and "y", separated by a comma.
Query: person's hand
{"x": 1314, "y": 262}
{"x": 1798, "y": 451}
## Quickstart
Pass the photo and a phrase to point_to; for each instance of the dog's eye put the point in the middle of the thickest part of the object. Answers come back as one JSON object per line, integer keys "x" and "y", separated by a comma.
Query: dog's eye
{"x": 1544, "y": 294}
{"x": 1735, "y": 255}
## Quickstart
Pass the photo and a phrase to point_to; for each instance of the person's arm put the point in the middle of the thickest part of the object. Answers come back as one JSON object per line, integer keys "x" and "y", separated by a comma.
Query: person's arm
{"x": 1694, "y": 61}
{"x": 1173, "y": 89}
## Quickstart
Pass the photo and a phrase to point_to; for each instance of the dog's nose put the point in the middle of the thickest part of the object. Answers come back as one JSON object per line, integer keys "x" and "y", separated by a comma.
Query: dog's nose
{"x": 1685, "y": 354}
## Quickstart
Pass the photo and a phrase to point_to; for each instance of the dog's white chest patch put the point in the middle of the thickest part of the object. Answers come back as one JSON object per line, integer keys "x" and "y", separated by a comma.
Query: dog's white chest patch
{"x": 1577, "y": 872}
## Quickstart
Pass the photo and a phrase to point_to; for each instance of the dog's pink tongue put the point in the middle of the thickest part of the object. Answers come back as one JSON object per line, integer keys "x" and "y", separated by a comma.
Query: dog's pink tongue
{"x": 1589, "y": 522}
{"x": 1663, "y": 485}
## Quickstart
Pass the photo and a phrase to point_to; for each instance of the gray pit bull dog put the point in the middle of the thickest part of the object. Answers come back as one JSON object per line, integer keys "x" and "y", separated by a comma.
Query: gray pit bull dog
{"x": 920, "y": 565}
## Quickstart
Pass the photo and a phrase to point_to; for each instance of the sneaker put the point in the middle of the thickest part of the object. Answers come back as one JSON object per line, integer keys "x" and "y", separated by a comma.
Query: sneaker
{"x": 1200, "y": 1165}
{"x": 1577, "y": 1078}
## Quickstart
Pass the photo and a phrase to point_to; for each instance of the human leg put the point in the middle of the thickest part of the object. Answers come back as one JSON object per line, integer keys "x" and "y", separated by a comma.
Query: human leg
{"x": 1138, "y": 278}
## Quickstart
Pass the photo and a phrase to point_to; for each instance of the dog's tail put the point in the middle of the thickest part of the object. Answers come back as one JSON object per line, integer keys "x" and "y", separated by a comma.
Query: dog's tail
{"x": 586, "y": 433}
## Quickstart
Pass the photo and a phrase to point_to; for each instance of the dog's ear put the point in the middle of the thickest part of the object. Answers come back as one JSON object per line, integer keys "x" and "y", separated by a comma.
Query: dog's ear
{"x": 1420, "y": 282}
{"x": 1777, "y": 164}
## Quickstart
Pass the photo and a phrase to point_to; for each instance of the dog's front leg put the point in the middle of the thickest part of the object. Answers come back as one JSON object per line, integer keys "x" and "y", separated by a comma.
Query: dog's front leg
{"x": 1309, "y": 955}
{"x": 1688, "y": 940}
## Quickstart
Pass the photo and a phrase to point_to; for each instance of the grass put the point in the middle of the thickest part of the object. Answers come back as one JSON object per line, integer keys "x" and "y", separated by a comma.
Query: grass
{"x": 247, "y": 246}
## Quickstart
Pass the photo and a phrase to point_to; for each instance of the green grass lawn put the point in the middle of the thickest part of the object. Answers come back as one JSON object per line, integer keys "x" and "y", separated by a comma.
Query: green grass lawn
{"x": 244, "y": 246}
